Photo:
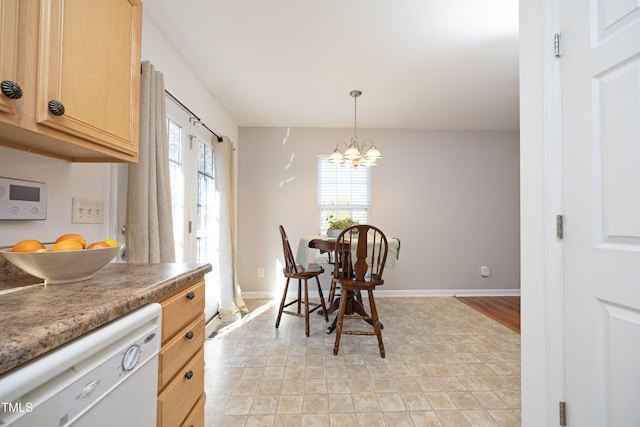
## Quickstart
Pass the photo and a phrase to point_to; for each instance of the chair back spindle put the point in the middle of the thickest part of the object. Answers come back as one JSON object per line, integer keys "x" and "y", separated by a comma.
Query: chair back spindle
{"x": 289, "y": 260}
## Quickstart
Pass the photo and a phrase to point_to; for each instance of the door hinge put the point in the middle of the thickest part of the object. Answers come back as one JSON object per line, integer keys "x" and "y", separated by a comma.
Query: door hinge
{"x": 559, "y": 227}
{"x": 563, "y": 413}
{"x": 556, "y": 45}
{"x": 189, "y": 227}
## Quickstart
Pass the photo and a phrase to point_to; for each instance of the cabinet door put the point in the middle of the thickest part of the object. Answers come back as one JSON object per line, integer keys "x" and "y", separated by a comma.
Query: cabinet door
{"x": 8, "y": 50}
{"x": 89, "y": 61}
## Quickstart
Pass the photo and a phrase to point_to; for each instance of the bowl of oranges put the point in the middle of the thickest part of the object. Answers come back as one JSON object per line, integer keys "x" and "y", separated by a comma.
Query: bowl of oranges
{"x": 69, "y": 259}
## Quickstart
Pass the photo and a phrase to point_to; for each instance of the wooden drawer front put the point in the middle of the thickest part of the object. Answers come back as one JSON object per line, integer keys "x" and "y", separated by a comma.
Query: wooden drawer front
{"x": 196, "y": 417}
{"x": 180, "y": 349}
{"x": 178, "y": 398}
{"x": 180, "y": 309}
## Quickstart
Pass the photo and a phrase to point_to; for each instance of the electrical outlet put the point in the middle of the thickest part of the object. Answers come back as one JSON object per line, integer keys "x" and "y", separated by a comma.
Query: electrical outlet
{"x": 485, "y": 271}
{"x": 87, "y": 211}
{"x": 260, "y": 272}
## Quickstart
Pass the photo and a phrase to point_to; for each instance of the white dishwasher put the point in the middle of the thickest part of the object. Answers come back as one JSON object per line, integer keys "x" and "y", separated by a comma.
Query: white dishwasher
{"x": 108, "y": 377}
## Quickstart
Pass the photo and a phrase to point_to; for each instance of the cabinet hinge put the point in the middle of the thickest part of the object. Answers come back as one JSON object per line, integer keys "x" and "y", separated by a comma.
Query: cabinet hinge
{"x": 559, "y": 227}
{"x": 556, "y": 45}
{"x": 563, "y": 413}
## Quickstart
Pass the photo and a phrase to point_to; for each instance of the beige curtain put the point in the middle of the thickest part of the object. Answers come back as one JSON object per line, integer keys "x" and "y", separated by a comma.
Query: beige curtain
{"x": 149, "y": 229}
{"x": 231, "y": 302}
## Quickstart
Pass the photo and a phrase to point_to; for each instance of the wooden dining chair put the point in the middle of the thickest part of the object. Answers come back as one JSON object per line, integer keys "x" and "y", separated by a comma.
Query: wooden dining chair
{"x": 292, "y": 270}
{"x": 363, "y": 250}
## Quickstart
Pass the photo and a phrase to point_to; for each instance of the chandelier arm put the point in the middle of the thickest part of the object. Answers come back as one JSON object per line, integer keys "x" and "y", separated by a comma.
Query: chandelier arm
{"x": 365, "y": 142}
{"x": 343, "y": 143}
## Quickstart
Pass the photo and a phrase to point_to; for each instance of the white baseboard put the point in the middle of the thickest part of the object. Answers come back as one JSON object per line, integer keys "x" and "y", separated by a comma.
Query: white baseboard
{"x": 407, "y": 293}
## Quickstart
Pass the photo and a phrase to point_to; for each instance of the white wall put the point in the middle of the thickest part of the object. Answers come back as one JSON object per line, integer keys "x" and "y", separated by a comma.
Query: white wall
{"x": 451, "y": 197}
{"x": 181, "y": 80}
{"x": 65, "y": 180}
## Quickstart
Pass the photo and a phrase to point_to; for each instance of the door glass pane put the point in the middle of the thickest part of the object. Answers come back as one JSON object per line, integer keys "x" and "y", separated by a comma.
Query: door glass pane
{"x": 207, "y": 227}
{"x": 176, "y": 176}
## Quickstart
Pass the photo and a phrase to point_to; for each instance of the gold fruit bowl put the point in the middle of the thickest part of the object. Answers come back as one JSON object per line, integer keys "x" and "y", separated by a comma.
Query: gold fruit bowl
{"x": 62, "y": 266}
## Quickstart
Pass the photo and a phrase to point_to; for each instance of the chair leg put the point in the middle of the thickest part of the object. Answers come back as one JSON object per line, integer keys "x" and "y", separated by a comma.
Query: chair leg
{"x": 324, "y": 306}
{"x": 332, "y": 291}
{"x": 358, "y": 297}
{"x": 340, "y": 320}
{"x": 299, "y": 294}
{"x": 284, "y": 298}
{"x": 306, "y": 307}
{"x": 376, "y": 322}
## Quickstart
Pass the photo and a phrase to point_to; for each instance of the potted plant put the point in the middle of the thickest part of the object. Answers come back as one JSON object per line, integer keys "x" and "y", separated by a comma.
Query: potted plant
{"x": 337, "y": 225}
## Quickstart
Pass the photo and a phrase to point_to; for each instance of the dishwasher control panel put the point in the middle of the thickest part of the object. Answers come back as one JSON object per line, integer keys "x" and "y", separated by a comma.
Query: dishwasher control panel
{"x": 86, "y": 390}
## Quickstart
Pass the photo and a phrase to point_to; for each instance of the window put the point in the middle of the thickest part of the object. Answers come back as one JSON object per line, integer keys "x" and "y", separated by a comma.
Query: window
{"x": 195, "y": 223}
{"x": 343, "y": 192}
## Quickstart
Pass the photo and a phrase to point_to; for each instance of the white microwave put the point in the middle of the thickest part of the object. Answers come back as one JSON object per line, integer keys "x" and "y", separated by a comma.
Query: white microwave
{"x": 24, "y": 200}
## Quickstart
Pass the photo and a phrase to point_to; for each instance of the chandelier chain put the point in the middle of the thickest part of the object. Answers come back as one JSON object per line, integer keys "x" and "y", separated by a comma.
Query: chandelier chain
{"x": 355, "y": 117}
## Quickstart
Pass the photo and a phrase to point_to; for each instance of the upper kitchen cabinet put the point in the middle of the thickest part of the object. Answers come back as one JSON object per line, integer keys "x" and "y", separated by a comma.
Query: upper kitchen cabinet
{"x": 78, "y": 67}
{"x": 9, "y": 55}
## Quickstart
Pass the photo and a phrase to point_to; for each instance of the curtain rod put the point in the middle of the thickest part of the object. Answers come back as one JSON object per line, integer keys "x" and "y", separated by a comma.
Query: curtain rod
{"x": 185, "y": 108}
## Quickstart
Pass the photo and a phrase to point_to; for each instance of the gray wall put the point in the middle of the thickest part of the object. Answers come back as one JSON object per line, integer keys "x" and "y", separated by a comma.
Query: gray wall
{"x": 451, "y": 197}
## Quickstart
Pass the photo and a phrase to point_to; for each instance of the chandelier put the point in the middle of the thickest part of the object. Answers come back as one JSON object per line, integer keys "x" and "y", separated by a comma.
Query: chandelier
{"x": 356, "y": 154}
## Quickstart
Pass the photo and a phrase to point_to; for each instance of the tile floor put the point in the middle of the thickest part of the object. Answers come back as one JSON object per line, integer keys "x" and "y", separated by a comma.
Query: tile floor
{"x": 446, "y": 365}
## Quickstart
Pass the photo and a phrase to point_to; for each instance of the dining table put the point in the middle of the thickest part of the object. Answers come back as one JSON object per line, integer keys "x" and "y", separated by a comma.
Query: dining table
{"x": 326, "y": 244}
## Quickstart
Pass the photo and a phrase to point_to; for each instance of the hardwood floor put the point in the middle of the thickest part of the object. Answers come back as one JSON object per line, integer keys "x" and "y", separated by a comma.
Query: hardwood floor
{"x": 505, "y": 310}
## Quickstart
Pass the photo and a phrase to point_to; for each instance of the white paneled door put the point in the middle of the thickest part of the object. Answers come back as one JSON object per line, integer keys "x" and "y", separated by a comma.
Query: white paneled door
{"x": 600, "y": 66}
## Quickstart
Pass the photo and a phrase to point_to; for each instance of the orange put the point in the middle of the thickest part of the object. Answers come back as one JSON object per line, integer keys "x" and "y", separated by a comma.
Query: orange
{"x": 29, "y": 245}
{"x": 72, "y": 236}
{"x": 97, "y": 245}
{"x": 111, "y": 242}
{"x": 67, "y": 245}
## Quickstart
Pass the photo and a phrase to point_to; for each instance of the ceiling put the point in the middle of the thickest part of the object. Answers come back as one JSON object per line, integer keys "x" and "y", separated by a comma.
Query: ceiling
{"x": 420, "y": 64}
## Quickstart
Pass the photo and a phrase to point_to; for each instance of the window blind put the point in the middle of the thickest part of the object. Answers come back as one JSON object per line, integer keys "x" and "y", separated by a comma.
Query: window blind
{"x": 343, "y": 192}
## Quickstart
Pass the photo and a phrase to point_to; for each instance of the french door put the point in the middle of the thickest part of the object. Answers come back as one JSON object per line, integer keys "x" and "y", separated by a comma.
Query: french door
{"x": 195, "y": 220}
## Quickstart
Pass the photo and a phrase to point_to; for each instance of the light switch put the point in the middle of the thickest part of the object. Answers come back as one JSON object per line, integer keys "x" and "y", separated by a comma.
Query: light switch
{"x": 87, "y": 211}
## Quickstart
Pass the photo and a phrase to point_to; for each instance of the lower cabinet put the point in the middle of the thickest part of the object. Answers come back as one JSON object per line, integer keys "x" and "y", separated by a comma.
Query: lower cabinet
{"x": 196, "y": 416}
{"x": 181, "y": 362}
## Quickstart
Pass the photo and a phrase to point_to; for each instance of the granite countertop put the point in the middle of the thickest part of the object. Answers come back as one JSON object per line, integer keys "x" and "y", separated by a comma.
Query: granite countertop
{"x": 37, "y": 318}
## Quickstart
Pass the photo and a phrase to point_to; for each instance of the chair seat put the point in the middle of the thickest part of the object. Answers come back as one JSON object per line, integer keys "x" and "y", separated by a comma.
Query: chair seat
{"x": 354, "y": 284}
{"x": 312, "y": 270}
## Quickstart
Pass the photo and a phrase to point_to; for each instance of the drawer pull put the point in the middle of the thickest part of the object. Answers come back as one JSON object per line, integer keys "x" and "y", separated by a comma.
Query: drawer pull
{"x": 191, "y": 295}
{"x": 11, "y": 89}
{"x": 56, "y": 108}
{"x": 189, "y": 335}
{"x": 189, "y": 374}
